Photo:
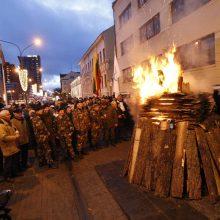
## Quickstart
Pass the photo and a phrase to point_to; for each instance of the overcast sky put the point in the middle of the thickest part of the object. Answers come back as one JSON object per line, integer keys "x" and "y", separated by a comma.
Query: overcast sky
{"x": 66, "y": 27}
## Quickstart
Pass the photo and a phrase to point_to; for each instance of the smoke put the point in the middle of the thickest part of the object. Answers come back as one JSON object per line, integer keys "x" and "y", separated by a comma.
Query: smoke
{"x": 198, "y": 84}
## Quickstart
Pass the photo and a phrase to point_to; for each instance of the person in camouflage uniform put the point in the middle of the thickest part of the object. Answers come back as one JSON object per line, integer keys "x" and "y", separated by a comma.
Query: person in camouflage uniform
{"x": 110, "y": 121}
{"x": 50, "y": 123}
{"x": 65, "y": 132}
{"x": 81, "y": 123}
{"x": 96, "y": 123}
{"x": 42, "y": 137}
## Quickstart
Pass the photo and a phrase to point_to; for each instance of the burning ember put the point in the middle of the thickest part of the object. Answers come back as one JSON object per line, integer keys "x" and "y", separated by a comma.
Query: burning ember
{"x": 160, "y": 89}
{"x": 175, "y": 152}
{"x": 160, "y": 76}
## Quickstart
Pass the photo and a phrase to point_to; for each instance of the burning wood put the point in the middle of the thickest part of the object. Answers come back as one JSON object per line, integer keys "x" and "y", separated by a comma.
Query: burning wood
{"x": 175, "y": 146}
{"x": 179, "y": 107}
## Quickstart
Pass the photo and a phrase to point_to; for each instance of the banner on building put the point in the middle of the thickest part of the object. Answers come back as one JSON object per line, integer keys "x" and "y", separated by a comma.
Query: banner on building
{"x": 96, "y": 75}
{"x": 116, "y": 76}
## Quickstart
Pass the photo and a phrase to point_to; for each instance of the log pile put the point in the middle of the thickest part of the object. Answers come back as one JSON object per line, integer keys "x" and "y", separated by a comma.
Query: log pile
{"x": 178, "y": 106}
{"x": 181, "y": 159}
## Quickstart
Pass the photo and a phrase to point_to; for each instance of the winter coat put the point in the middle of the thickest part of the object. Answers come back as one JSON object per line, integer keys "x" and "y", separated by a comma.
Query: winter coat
{"x": 21, "y": 126}
{"x": 8, "y": 141}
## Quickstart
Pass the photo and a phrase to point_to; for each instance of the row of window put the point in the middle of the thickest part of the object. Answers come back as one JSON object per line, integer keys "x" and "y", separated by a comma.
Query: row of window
{"x": 89, "y": 66}
{"x": 147, "y": 31}
{"x": 196, "y": 54}
{"x": 179, "y": 9}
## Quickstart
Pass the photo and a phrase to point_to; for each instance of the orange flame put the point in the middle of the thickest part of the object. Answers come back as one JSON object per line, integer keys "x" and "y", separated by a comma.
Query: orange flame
{"x": 159, "y": 77}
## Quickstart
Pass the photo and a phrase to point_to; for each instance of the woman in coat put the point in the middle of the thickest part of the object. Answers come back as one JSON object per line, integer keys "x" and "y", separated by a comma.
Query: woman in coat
{"x": 9, "y": 146}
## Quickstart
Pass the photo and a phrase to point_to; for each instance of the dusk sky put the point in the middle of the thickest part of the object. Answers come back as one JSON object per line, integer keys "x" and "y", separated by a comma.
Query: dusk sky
{"x": 67, "y": 28}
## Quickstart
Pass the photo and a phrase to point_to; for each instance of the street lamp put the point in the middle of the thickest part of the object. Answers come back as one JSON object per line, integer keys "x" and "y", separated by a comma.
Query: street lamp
{"x": 23, "y": 74}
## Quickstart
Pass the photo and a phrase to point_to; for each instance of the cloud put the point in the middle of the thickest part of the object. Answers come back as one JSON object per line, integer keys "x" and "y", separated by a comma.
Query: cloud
{"x": 67, "y": 29}
{"x": 51, "y": 82}
{"x": 101, "y": 8}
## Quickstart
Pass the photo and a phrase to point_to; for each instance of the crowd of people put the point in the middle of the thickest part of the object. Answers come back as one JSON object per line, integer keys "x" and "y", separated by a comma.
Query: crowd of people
{"x": 60, "y": 130}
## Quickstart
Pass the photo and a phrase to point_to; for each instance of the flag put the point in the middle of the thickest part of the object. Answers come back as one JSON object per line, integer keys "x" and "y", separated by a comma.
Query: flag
{"x": 2, "y": 56}
{"x": 116, "y": 76}
{"x": 96, "y": 75}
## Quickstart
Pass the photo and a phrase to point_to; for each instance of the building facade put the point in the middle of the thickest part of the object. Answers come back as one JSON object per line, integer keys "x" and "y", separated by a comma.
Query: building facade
{"x": 12, "y": 83}
{"x": 146, "y": 28}
{"x": 33, "y": 65}
{"x": 66, "y": 80}
{"x": 76, "y": 88}
{"x": 103, "y": 46}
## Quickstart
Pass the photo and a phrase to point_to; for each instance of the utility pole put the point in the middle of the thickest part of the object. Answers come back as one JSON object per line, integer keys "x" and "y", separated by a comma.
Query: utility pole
{"x": 3, "y": 76}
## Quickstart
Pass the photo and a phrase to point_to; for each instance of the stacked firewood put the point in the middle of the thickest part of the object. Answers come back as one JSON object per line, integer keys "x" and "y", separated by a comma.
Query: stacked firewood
{"x": 178, "y": 106}
{"x": 181, "y": 160}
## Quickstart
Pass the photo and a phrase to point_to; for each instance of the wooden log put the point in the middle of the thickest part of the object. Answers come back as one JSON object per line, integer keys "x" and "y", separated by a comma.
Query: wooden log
{"x": 214, "y": 147}
{"x": 194, "y": 182}
{"x": 157, "y": 145}
{"x": 216, "y": 175}
{"x": 142, "y": 152}
{"x": 179, "y": 161}
{"x": 165, "y": 163}
{"x": 133, "y": 154}
{"x": 149, "y": 162}
{"x": 207, "y": 165}
{"x": 130, "y": 153}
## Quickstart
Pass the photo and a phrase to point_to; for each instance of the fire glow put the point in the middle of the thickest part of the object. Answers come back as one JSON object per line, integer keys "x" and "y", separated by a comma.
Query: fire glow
{"x": 161, "y": 76}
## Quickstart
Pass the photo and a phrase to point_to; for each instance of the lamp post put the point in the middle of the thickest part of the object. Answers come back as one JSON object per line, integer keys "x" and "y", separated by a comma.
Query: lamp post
{"x": 23, "y": 74}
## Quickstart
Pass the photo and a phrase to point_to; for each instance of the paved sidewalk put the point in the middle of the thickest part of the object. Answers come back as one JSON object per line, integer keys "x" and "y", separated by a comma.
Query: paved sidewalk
{"x": 76, "y": 191}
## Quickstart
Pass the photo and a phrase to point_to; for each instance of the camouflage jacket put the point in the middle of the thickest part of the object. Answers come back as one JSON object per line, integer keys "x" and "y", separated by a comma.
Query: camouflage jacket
{"x": 50, "y": 123}
{"x": 40, "y": 131}
{"x": 109, "y": 117}
{"x": 95, "y": 119}
{"x": 81, "y": 120}
{"x": 64, "y": 126}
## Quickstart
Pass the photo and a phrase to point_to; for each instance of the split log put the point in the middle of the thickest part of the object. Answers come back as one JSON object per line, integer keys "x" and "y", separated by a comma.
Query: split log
{"x": 130, "y": 154}
{"x": 156, "y": 146}
{"x": 133, "y": 155}
{"x": 142, "y": 151}
{"x": 165, "y": 164}
{"x": 207, "y": 165}
{"x": 194, "y": 182}
{"x": 150, "y": 158}
{"x": 214, "y": 147}
{"x": 179, "y": 161}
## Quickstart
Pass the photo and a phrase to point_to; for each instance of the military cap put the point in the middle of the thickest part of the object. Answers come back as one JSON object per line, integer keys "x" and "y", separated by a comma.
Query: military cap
{"x": 38, "y": 108}
{"x": 17, "y": 110}
{"x": 103, "y": 102}
{"x": 2, "y": 105}
{"x": 61, "y": 108}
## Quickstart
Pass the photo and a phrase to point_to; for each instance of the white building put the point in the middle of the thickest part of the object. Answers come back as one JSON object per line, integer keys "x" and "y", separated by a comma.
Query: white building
{"x": 76, "y": 88}
{"x": 65, "y": 81}
{"x": 104, "y": 47}
{"x": 146, "y": 28}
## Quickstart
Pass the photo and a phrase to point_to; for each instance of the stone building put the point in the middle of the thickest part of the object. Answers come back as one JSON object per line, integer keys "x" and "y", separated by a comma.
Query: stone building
{"x": 146, "y": 28}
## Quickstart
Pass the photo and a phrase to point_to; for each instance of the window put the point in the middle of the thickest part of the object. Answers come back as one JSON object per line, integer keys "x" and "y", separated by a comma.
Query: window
{"x": 127, "y": 75}
{"x": 105, "y": 80}
{"x": 103, "y": 52}
{"x": 181, "y": 8}
{"x": 125, "y": 15}
{"x": 100, "y": 56}
{"x": 127, "y": 45}
{"x": 150, "y": 29}
{"x": 141, "y": 3}
{"x": 198, "y": 53}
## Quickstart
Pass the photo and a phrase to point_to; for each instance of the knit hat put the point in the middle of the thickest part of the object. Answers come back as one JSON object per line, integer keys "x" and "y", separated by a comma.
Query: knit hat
{"x": 4, "y": 113}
